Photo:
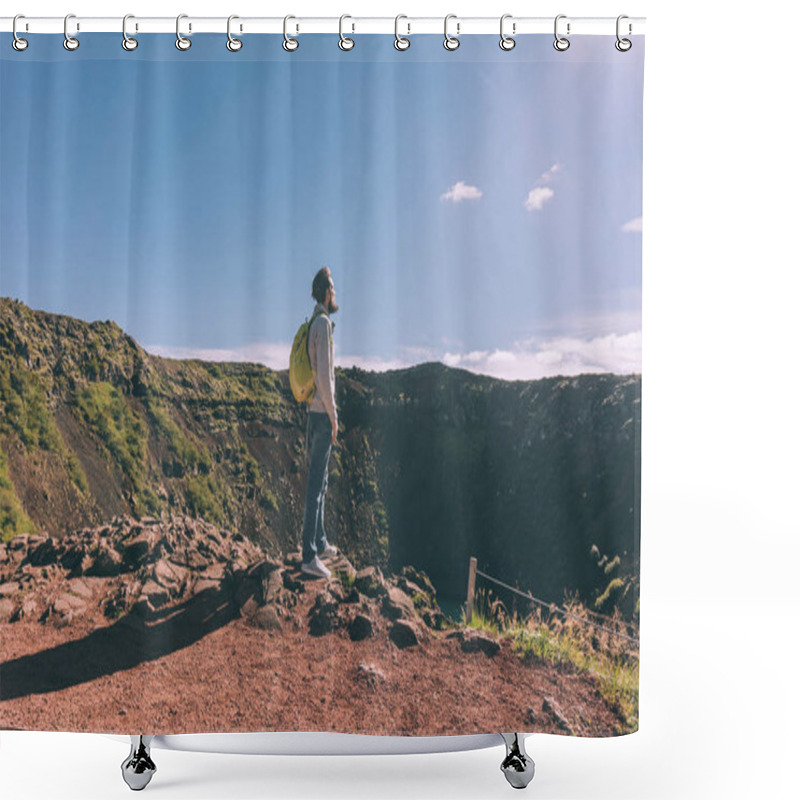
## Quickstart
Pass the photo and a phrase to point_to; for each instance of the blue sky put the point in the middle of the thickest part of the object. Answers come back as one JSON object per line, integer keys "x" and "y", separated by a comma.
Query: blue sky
{"x": 480, "y": 208}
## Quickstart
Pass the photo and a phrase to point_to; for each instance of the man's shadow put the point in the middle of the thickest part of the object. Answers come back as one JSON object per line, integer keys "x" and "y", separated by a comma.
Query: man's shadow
{"x": 132, "y": 640}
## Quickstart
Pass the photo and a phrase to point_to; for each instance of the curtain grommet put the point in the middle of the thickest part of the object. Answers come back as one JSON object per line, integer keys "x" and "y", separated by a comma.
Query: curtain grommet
{"x": 507, "y": 42}
{"x": 290, "y": 44}
{"x": 401, "y": 42}
{"x": 181, "y": 42}
{"x": 233, "y": 44}
{"x": 451, "y": 42}
{"x": 623, "y": 45}
{"x": 561, "y": 43}
{"x": 70, "y": 42}
{"x": 345, "y": 42}
{"x": 128, "y": 42}
{"x": 18, "y": 43}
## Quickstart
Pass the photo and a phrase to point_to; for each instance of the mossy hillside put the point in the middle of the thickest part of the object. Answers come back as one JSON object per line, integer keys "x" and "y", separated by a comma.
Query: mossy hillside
{"x": 26, "y": 415}
{"x": 13, "y": 519}
{"x": 432, "y": 465}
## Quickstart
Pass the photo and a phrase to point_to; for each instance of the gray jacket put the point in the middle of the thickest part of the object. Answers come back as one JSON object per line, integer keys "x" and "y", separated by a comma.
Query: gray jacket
{"x": 320, "y": 352}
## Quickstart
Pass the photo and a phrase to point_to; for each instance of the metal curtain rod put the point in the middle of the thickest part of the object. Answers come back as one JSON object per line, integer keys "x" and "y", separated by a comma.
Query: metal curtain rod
{"x": 386, "y": 25}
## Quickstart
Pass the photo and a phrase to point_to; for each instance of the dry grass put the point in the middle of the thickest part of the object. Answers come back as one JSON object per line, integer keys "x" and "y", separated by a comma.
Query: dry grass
{"x": 546, "y": 635}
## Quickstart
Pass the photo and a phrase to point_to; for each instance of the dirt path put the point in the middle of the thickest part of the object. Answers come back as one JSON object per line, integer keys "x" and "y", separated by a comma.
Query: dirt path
{"x": 240, "y": 678}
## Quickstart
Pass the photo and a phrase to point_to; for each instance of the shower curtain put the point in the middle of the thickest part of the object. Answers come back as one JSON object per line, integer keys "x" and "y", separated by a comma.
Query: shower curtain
{"x": 320, "y": 376}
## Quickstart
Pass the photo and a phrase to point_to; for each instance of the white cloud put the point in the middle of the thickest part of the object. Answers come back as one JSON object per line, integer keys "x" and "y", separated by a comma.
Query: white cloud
{"x": 633, "y": 226}
{"x": 546, "y": 177}
{"x": 462, "y": 191}
{"x": 528, "y": 359}
{"x": 538, "y": 197}
{"x": 541, "y": 358}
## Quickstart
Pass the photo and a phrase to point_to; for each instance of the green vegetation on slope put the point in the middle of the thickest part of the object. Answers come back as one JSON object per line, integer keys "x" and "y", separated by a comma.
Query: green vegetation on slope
{"x": 24, "y": 407}
{"x": 13, "y": 519}
{"x": 612, "y": 661}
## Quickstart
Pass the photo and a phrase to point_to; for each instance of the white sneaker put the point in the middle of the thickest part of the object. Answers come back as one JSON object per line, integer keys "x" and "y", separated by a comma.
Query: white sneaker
{"x": 316, "y": 568}
{"x": 329, "y": 552}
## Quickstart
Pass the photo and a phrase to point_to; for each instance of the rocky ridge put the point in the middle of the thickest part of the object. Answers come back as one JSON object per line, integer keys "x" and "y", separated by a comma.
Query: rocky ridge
{"x": 151, "y": 567}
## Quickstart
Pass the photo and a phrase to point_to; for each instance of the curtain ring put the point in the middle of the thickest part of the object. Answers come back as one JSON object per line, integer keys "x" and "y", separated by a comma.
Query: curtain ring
{"x": 561, "y": 43}
{"x": 233, "y": 44}
{"x": 128, "y": 42}
{"x": 181, "y": 42}
{"x": 506, "y": 42}
{"x": 623, "y": 45}
{"x": 345, "y": 43}
{"x": 70, "y": 42}
{"x": 400, "y": 42}
{"x": 19, "y": 44}
{"x": 289, "y": 42}
{"x": 450, "y": 42}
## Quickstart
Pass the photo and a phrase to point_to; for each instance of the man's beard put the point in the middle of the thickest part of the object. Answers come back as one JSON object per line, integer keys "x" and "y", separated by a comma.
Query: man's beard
{"x": 332, "y": 307}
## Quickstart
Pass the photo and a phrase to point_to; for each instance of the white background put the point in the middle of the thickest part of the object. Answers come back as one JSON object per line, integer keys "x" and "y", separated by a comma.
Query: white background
{"x": 720, "y": 543}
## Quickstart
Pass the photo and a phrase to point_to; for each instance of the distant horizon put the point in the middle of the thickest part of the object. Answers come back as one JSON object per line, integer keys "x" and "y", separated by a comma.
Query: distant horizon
{"x": 507, "y": 365}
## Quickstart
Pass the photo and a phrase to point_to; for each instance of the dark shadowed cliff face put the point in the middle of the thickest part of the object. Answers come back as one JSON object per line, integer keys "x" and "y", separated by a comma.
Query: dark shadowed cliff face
{"x": 433, "y": 464}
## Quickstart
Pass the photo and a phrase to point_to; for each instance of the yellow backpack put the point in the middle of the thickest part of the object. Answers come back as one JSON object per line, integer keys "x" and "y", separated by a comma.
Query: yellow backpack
{"x": 301, "y": 375}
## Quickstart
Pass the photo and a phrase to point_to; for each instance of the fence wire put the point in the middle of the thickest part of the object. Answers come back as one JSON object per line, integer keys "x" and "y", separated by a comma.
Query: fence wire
{"x": 554, "y": 607}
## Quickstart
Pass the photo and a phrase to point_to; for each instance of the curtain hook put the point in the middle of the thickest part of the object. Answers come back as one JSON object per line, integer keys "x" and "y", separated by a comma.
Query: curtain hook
{"x": 289, "y": 43}
{"x": 561, "y": 43}
{"x": 181, "y": 42}
{"x": 345, "y": 42}
{"x": 451, "y": 42}
{"x": 128, "y": 42}
{"x": 233, "y": 44}
{"x": 623, "y": 45}
{"x": 19, "y": 44}
{"x": 70, "y": 42}
{"x": 506, "y": 42}
{"x": 400, "y": 42}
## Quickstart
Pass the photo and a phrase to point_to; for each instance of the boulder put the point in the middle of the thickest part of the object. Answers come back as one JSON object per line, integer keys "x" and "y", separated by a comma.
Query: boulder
{"x": 266, "y": 618}
{"x": 324, "y": 615}
{"x": 402, "y": 633}
{"x": 104, "y": 562}
{"x": 81, "y": 588}
{"x": 475, "y": 641}
{"x": 396, "y": 605}
{"x": 360, "y": 628}
{"x": 44, "y": 553}
{"x": 7, "y": 610}
{"x": 369, "y": 581}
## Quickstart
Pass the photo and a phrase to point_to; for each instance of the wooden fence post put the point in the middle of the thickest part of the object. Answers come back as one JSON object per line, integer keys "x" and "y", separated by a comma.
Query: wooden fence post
{"x": 473, "y": 565}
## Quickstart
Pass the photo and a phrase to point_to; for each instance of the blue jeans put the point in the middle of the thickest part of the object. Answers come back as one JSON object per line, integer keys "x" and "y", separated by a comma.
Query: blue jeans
{"x": 318, "y": 450}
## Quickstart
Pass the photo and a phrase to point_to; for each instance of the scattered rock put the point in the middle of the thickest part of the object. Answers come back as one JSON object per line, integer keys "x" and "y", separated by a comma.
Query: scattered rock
{"x": 42, "y": 554}
{"x": 104, "y": 562}
{"x": 370, "y": 674}
{"x": 475, "y": 641}
{"x": 360, "y": 628}
{"x": 81, "y": 588}
{"x": 7, "y": 609}
{"x": 9, "y": 588}
{"x": 353, "y": 596}
{"x": 266, "y": 618}
{"x": 396, "y": 605}
{"x": 369, "y": 581}
{"x": 324, "y": 615}
{"x": 550, "y": 707}
{"x": 403, "y": 634}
